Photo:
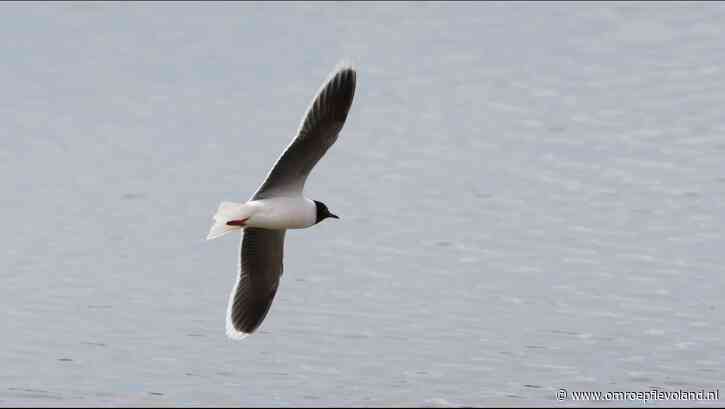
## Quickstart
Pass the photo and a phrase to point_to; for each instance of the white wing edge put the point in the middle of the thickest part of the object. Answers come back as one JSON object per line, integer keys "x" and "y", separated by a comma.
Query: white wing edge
{"x": 232, "y": 332}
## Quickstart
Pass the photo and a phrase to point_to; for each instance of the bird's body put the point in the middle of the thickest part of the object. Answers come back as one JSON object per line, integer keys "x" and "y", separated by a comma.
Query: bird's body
{"x": 283, "y": 212}
{"x": 279, "y": 204}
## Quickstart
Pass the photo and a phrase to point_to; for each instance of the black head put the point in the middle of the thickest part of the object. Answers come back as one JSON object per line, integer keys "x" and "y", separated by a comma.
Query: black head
{"x": 323, "y": 212}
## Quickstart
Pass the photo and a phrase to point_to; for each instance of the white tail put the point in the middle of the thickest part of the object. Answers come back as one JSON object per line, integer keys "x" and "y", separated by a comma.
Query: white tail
{"x": 226, "y": 212}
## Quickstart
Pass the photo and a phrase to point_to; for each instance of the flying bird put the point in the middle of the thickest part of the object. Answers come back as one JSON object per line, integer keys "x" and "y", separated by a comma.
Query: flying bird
{"x": 279, "y": 204}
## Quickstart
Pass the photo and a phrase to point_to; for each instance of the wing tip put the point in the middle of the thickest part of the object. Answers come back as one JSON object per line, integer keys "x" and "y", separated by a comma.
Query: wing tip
{"x": 344, "y": 70}
{"x": 344, "y": 65}
{"x": 231, "y": 330}
{"x": 338, "y": 89}
{"x": 235, "y": 335}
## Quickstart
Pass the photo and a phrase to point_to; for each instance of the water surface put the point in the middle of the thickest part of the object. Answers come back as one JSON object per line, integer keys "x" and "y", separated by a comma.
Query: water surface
{"x": 531, "y": 199}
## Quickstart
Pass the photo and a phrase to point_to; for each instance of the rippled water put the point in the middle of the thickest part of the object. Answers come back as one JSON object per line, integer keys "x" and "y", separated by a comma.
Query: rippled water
{"x": 531, "y": 199}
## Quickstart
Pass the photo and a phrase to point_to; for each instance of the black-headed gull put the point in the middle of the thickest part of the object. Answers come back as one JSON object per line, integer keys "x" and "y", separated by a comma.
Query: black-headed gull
{"x": 279, "y": 204}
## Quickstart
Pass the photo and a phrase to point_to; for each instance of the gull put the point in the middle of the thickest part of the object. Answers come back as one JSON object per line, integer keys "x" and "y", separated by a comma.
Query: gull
{"x": 279, "y": 204}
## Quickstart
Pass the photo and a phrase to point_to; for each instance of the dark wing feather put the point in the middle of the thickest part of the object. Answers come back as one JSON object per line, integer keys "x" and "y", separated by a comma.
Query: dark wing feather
{"x": 260, "y": 269}
{"x": 318, "y": 131}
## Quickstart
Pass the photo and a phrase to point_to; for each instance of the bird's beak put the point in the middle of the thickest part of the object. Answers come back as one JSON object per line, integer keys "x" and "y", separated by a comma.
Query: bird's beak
{"x": 334, "y": 216}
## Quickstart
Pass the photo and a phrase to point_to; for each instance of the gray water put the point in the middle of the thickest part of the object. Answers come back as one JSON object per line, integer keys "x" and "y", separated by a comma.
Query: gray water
{"x": 531, "y": 199}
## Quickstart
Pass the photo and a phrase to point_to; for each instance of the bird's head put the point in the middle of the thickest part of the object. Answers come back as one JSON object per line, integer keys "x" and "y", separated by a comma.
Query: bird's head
{"x": 323, "y": 212}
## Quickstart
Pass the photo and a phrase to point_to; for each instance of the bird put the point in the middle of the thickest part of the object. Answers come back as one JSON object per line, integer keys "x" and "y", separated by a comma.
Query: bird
{"x": 279, "y": 204}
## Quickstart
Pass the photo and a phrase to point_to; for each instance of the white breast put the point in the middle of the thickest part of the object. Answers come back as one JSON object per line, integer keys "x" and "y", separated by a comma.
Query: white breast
{"x": 282, "y": 213}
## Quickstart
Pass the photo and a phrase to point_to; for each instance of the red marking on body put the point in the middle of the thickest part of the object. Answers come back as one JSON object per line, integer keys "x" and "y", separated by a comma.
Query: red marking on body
{"x": 237, "y": 222}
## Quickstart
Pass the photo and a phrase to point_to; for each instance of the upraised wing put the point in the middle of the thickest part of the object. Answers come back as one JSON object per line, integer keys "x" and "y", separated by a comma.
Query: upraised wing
{"x": 319, "y": 129}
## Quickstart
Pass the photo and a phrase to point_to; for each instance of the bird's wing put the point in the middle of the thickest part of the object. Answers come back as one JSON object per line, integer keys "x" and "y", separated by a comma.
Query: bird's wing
{"x": 317, "y": 132}
{"x": 260, "y": 267}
